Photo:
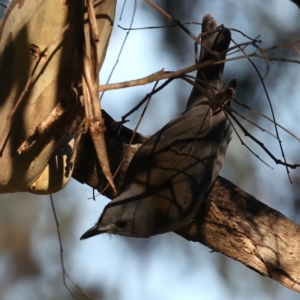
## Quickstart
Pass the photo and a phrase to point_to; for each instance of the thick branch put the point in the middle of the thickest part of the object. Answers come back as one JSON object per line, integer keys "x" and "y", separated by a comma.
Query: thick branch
{"x": 231, "y": 221}
{"x": 238, "y": 225}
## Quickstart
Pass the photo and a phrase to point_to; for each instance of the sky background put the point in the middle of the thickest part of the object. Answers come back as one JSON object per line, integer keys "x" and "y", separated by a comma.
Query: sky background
{"x": 167, "y": 266}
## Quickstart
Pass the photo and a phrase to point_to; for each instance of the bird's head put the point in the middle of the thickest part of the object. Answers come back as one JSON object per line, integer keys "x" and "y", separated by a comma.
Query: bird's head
{"x": 132, "y": 217}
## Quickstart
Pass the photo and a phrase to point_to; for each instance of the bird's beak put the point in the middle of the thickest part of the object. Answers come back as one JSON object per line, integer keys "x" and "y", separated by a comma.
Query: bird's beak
{"x": 91, "y": 232}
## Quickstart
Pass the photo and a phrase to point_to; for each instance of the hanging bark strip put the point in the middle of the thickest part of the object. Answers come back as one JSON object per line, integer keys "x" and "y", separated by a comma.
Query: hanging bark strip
{"x": 92, "y": 102}
{"x": 40, "y": 85}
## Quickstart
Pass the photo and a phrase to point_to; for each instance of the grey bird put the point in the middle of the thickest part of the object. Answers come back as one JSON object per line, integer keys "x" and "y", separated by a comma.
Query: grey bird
{"x": 172, "y": 172}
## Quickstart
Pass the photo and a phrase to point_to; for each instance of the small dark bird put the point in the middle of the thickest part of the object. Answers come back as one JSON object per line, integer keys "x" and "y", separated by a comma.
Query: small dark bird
{"x": 172, "y": 172}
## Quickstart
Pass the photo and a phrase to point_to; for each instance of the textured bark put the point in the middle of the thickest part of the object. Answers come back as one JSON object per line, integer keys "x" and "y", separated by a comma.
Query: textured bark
{"x": 230, "y": 221}
{"x": 238, "y": 225}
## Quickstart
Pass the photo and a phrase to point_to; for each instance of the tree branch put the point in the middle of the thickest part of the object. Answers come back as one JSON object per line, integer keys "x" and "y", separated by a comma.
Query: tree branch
{"x": 238, "y": 225}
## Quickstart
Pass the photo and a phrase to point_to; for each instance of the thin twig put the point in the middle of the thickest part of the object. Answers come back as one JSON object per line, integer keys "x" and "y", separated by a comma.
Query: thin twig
{"x": 267, "y": 118}
{"x": 176, "y": 74}
{"x": 277, "y": 161}
{"x": 64, "y": 272}
{"x": 280, "y": 59}
{"x": 180, "y": 25}
{"x": 254, "y": 124}
{"x": 159, "y": 27}
{"x": 142, "y": 114}
{"x": 145, "y": 99}
{"x": 122, "y": 10}
{"x": 242, "y": 33}
{"x": 156, "y": 77}
{"x": 122, "y": 47}
{"x": 273, "y": 116}
{"x": 244, "y": 144}
{"x": 283, "y": 46}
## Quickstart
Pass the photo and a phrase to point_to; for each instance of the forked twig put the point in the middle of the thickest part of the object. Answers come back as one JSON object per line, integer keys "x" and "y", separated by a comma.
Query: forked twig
{"x": 254, "y": 124}
{"x": 277, "y": 161}
{"x": 273, "y": 116}
{"x": 267, "y": 118}
{"x": 154, "y": 91}
{"x": 244, "y": 144}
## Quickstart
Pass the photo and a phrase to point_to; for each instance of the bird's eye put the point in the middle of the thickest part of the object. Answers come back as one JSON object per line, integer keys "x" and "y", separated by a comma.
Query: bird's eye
{"x": 121, "y": 224}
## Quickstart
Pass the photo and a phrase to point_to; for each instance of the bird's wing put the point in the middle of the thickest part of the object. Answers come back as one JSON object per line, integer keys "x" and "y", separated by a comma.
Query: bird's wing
{"x": 174, "y": 170}
{"x": 161, "y": 148}
{"x": 176, "y": 167}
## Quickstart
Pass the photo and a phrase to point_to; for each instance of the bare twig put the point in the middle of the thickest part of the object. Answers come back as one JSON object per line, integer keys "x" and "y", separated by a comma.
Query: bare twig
{"x": 244, "y": 144}
{"x": 142, "y": 114}
{"x": 283, "y": 46}
{"x": 64, "y": 272}
{"x": 267, "y": 118}
{"x": 176, "y": 74}
{"x": 277, "y": 161}
{"x": 273, "y": 116}
{"x": 254, "y": 124}
{"x": 156, "y": 77}
{"x": 243, "y": 34}
{"x": 180, "y": 25}
{"x": 122, "y": 10}
{"x": 159, "y": 27}
{"x": 281, "y": 59}
{"x": 154, "y": 91}
{"x": 122, "y": 47}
